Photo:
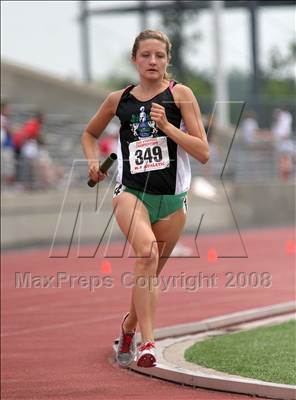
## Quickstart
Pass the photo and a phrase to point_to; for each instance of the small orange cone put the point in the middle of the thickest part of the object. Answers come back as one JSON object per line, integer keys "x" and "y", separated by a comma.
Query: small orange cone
{"x": 212, "y": 255}
{"x": 106, "y": 267}
{"x": 290, "y": 246}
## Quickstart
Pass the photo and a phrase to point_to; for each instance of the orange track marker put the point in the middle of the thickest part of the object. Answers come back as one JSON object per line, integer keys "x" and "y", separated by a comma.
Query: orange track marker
{"x": 106, "y": 267}
{"x": 290, "y": 246}
{"x": 212, "y": 255}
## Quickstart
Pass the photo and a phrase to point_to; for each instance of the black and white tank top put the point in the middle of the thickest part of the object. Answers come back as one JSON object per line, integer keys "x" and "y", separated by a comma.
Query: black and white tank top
{"x": 148, "y": 160}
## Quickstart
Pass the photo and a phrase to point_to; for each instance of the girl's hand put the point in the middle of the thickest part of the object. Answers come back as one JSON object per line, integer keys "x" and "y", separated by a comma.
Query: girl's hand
{"x": 94, "y": 171}
{"x": 158, "y": 115}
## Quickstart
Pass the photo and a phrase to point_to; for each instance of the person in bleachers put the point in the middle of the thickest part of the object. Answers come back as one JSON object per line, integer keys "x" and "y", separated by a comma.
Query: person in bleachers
{"x": 25, "y": 142}
{"x": 281, "y": 130}
{"x": 7, "y": 152}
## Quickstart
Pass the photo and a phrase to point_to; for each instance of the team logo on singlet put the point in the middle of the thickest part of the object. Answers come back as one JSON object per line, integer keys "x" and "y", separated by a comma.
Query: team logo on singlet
{"x": 142, "y": 125}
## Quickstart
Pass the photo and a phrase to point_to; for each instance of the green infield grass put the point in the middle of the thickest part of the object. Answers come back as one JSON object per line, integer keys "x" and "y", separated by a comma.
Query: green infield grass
{"x": 267, "y": 353}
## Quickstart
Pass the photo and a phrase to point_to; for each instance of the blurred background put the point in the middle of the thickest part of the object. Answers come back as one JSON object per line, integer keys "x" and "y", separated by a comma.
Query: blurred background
{"x": 60, "y": 60}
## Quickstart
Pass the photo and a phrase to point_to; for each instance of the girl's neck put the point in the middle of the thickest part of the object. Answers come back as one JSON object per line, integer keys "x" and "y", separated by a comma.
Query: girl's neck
{"x": 152, "y": 86}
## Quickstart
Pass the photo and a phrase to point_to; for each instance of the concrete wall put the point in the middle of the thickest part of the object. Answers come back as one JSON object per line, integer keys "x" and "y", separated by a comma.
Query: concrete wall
{"x": 51, "y": 94}
{"x": 31, "y": 218}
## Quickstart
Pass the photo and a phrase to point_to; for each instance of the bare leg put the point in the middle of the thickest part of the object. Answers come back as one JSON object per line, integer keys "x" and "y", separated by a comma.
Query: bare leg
{"x": 167, "y": 233}
{"x": 133, "y": 219}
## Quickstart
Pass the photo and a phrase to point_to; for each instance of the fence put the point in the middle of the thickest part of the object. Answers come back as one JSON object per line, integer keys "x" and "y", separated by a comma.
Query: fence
{"x": 245, "y": 163}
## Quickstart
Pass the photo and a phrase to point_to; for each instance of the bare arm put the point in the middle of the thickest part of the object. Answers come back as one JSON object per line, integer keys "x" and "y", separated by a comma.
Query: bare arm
{"x": 195, "y": 142}
{"x": 93, "y": 131}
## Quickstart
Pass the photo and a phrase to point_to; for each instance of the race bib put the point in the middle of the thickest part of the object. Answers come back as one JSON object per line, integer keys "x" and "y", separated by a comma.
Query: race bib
{"x": 149, "y": 154}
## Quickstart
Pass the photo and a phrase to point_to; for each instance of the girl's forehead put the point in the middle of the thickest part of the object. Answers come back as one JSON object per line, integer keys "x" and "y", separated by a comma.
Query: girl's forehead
{"x": 152, "y": 44}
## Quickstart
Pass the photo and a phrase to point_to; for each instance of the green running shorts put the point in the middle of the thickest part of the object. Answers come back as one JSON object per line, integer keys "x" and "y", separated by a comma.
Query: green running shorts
{"x": 159, "y": 206}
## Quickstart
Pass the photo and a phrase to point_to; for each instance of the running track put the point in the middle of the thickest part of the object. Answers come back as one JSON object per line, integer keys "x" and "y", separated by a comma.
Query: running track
{"x": 56, "y": 342}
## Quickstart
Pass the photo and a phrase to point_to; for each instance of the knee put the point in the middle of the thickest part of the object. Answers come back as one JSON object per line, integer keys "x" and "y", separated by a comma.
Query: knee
{"x": 147, "y": 257}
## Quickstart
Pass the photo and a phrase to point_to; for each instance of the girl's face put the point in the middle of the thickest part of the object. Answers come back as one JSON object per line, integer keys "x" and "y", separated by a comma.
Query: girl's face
{"x": 151, "y": 59}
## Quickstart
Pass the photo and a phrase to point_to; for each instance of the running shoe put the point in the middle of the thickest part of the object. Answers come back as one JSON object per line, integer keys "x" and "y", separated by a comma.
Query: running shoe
{"x": 126, "y": 349}
{"x": 146, "y": 355}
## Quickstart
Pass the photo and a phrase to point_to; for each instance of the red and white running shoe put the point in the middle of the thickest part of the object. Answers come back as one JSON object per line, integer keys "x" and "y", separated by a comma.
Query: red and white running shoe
{"x": 146, "y": 357}
{"x": 127, "y": 348}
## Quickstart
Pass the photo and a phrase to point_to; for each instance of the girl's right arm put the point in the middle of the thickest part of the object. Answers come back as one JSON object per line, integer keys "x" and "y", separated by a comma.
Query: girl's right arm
{"x": 93, "y": 131}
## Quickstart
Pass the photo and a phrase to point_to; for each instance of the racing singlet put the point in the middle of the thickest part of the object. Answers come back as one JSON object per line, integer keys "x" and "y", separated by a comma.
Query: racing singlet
{"x": 148, "y": 160}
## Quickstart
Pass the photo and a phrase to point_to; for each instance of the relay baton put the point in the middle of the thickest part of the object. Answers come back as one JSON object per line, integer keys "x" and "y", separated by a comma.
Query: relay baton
{"x": 104, "y": 167}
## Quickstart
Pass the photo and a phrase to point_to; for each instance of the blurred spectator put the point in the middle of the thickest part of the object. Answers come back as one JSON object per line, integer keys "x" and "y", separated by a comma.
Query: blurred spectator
{"x": 282, "y": 128}
{"x": 7, "y": 152}
{"x": 212, "y": 167}
{"x": 285, "y": 166}
{"x": 5, "y": 125}
{"x": 26, "y": 148}
{"x": 249, "y": 128}
{"x": 282, "y": 133}
{"x": 48, "y": 175}
{"x": 209, "y": 125}
{"x": 201, "y": 186}
{"x": 108, "y": 143}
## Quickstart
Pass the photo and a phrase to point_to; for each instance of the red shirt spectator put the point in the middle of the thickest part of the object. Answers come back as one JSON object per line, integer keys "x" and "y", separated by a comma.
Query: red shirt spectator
{"x": 30, "y": 130}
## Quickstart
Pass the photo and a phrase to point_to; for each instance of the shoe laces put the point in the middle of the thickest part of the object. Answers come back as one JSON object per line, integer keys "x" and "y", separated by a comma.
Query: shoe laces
{"x": 147, "y": 346}
{"x": 126, "y": 342}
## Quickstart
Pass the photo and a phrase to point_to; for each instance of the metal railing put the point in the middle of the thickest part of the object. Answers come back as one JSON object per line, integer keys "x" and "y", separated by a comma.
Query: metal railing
{"x": 62, "y": 140}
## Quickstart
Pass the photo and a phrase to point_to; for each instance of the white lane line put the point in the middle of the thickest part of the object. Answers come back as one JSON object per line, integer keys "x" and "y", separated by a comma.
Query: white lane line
{"x": 62, "y": 325}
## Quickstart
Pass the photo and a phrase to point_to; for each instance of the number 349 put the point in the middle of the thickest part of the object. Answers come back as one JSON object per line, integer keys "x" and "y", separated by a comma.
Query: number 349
{"x": 153, "y": 154}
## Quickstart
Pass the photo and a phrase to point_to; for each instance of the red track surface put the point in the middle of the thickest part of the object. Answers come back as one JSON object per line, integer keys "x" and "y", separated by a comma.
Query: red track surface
{"x": 56, "y": 342}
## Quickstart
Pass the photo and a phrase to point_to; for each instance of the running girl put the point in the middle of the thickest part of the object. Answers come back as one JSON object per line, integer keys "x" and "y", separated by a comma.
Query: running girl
{"x": 160, "y": 125}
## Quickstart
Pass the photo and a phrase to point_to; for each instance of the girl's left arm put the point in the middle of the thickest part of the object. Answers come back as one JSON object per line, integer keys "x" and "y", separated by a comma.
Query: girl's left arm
{"x": 195, "y": 141}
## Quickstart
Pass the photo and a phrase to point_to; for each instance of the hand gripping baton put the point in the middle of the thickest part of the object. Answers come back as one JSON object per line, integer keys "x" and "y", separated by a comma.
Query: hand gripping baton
{"x": 104, "y": 167}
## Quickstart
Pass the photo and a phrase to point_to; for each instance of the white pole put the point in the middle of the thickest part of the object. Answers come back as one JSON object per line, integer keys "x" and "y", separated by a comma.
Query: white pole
{"x": 221, "y": 92}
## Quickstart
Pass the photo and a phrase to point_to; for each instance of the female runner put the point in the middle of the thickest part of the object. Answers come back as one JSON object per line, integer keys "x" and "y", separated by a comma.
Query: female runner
{"x": 160, "y": 125}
